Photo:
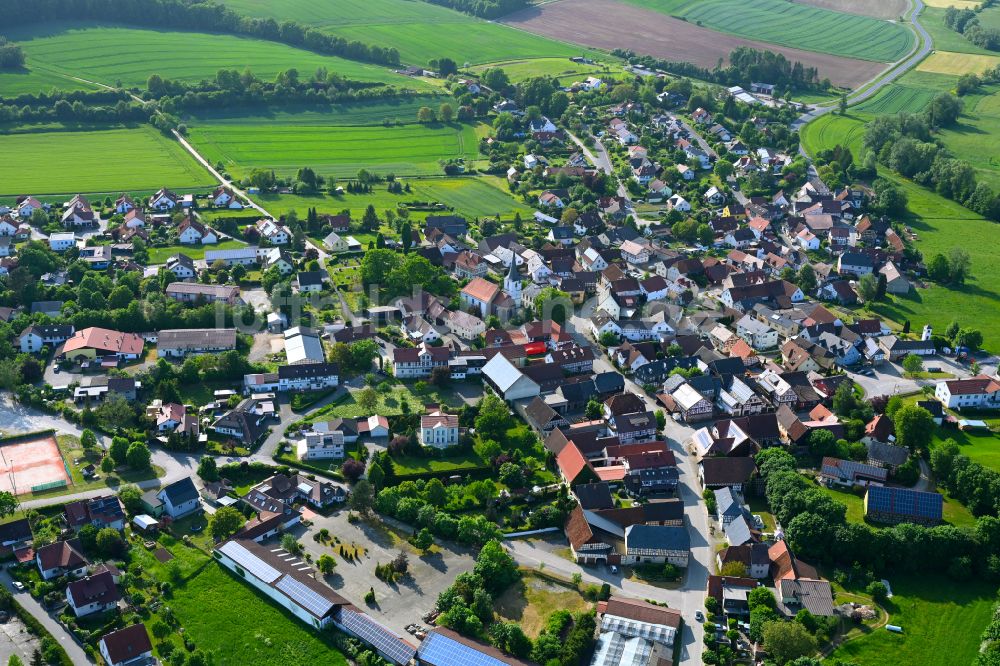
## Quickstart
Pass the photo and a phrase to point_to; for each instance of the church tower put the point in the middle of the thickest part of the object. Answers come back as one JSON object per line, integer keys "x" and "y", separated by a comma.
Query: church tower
{"x": 512, "y": 283}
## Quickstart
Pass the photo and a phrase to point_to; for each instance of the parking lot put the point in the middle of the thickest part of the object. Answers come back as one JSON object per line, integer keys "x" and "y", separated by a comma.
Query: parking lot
{"x": 397, "y": 604}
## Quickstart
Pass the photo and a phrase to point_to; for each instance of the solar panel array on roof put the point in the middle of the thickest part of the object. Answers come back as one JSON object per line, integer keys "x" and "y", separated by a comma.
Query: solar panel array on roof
{"x": 902, "y": 501}
{"x": 311, "y": 600}
{"x": 440, "y": 650}
{"x": 373, "y": 633}
{"x": 256, "y": 566}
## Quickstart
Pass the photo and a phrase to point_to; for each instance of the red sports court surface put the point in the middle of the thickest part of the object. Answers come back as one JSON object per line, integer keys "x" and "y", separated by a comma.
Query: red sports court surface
{"x": 25, "y": 465}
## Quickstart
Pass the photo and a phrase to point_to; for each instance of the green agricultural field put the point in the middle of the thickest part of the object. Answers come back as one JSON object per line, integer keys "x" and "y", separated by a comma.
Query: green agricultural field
{"x": 98, "y": 52}
{"x": 98, "y": 161}
{"x": 399, "y": 110}
{"x": 32, "y": 80}
{"x": 420, "y": 31}
{"x": 334, "y": 150}
{"x": 941, "y": 620}
{"x": 795, "y": 25}
{"x": 830, "y": 130}
{"x": 468, "y": 196}
{"x": 563, "y": 69}
{"x": 895, "y": 98}
{"x": 213, "y": 607}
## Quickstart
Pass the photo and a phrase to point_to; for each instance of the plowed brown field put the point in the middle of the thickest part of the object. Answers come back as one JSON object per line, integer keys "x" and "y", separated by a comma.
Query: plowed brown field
{"x": 607, "y": 24}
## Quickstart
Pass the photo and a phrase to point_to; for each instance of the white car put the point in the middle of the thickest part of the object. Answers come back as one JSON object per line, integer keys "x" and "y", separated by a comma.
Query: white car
{"x": 18, "y": 585}
{"x": 614, "y": 569}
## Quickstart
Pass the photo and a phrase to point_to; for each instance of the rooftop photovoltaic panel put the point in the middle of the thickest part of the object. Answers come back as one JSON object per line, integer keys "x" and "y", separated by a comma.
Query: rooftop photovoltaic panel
{"x": 310, "y": 599}
{"x": 905, "y": 502}
{"x": 373, "y": 633}
{"x": 440, "y": 650}
{"x": 256, "y": 566}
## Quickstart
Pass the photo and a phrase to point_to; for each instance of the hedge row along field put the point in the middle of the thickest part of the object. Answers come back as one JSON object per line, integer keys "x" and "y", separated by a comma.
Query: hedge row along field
{"x": 334, "y": 150}
{"x": 795, "y": 25}
{"x": 100, "y": 160}
{"x": 419, "y": 30}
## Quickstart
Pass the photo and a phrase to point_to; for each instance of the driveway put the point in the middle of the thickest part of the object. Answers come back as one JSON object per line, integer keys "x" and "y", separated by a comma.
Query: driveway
{"x": 397, "y": 604}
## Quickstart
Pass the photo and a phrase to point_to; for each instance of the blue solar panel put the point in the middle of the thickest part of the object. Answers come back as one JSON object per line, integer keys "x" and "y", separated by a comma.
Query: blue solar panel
{"x": 905, "y": 502}
{"x": 380, "y": 638}
{"x": 440, "y": 650}
{"x": 311, "y": 600}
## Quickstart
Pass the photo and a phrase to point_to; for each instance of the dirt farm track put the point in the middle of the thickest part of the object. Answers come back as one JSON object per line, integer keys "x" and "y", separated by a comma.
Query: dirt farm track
{"x": 608, "y": 25}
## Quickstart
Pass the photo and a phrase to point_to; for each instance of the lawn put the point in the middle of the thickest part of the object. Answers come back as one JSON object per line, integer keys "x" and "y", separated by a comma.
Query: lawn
{"x": 795, "y": 25}
{"x": 981, "y": 447}
{"x": 389, "y": 404}
{"x": 95, "y": 51}
{"x": 407, "y": 465}
{"x": 954, "y": 512}
{"x": 940, "y": 224}
{"x": 941, "y": 620}
{"x": 530, "y": 601}
{"x": 421, "y": 31}
{"x": 97, "y": 161}
{"x": 334, "y": 150}
{"x": 159, "y": 255}
{"x": 470, "y": 196}
{"x": 214, "y": 606}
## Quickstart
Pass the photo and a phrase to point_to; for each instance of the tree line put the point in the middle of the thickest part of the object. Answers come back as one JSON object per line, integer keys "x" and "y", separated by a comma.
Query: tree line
{"x": 233, "y": 88}
{"x": 206, "y": 16}
{"x": 966, "y": 23}
{"x": 745, "y": 66}
{"x": 816, "y": 528}
{"x": 905, "y": 143}
{"x": 11, "y": 55}
{"x": 483, "y": 8}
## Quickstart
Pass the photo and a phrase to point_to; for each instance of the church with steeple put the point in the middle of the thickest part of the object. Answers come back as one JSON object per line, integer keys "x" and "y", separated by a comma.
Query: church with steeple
{"x": 512, "y": 283}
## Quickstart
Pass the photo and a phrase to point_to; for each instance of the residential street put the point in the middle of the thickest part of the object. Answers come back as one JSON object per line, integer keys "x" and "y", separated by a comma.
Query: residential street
{"x": 690, "y": 597}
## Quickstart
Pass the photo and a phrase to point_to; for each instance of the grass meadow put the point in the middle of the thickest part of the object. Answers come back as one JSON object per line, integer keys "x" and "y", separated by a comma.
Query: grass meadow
{"x": 563, "y": 69}
{"x": 794, "y": 25}
{"x": 159, "y": 255}
{"x": 96, "y": 161}
{"x": 941, "y": 620}
{"x": 407, "y": 27}
{"x": 214, "y": 601}
{"x": 108, "y": 54}
{"x": 981, "y": 447}
{"x": 945, "y": 39}
{"x": 332, "y": 149}
{"x": 466, "y": 195}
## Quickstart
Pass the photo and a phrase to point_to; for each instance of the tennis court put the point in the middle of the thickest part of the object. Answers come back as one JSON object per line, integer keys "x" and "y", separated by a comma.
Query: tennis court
{"x": 33, "y": 464}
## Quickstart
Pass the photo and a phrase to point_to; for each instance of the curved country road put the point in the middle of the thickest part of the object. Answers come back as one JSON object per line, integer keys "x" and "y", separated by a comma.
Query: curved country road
{"x": 920, "y": 51}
